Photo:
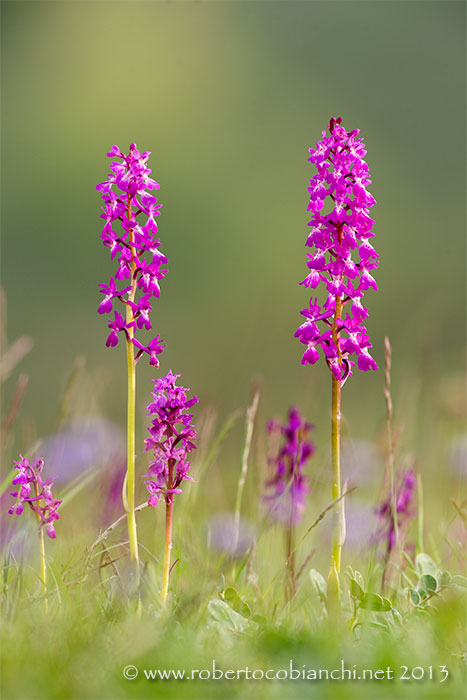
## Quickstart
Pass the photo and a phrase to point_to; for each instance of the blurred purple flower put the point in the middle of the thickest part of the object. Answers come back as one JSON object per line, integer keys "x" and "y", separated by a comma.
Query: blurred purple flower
{"x": 111, "y": 491}
{"x": 341, "y": 181}
{"x": 224, "y": 535}
{"x": 172, "y": 437}
{"x": 457, "y": 458}
{"x": 36, "y": 493}
{"x": 288, "y": 483}
{"x": 360, "y": 461}
{"x": 360, "y": 523}
{"x": 89, "y": 443}
{"x": 404, "y": 495}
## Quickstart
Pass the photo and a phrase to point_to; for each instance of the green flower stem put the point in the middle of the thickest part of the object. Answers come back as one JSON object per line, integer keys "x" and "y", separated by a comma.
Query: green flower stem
{"x": 339, "y": 519}
{"x": 250, "y": 420}
{"x": 290, "y": 585}
{"x": 390, "y": 462}
{"x": 43, "y": 568}
{"x": 336, "y": 469}
{"x": 42, "y": 555}
{"x": 129, "y": 490}
{"x": 129, "y": 496}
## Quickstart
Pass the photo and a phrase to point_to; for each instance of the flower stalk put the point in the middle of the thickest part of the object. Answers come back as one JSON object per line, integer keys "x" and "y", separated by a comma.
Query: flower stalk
{"x": 250, "y": 420}
{"x": 337, "y": 543}
{"x": 37, "y": 494}
{"x": 139, "y": 261}
{"x": 341, "y": 260}
{"x": 290, "y": 581}
{"x": 289, "y": 485}
{"x": 41, "y": 549}
{"x": 129, "y": 484}
{"x": 169, "y": 505}
{"x": 43, "y": 563}
{"x": 336, "y": 391}
{"x": 172, "y": 437}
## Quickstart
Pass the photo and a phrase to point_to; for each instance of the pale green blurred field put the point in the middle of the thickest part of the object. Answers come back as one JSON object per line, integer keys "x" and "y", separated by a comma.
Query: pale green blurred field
{"x": 229, "y": 96}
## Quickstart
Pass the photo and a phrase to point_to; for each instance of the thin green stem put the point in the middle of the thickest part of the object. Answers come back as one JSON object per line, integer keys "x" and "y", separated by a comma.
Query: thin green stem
{"x": 43, "y": 569}
{"x": 290, "y": 587}
{"x": 389, "y": 475}
{"x": 129, "y": 492}
{"x": 390, "y": 462}
{"x": 130, "y": 475}
{"x": 420, "y": 547}
{"x": 339, "y": 517}
{"x": 336, "y": 470}
{"x": 42, "y": 555}
{"x": 250, "y": 420}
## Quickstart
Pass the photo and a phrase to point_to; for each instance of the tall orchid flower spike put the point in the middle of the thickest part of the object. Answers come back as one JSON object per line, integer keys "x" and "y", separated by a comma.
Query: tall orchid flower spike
{"x": 129, "y": 231}
{"x": 341, "y": 260}
{"x": 287, "y": 489}
{"x": 36, "y": 492}
{"x": 172, "y": 438}
{"x": 400, "y": 508}
{"x": 394, "y": 515}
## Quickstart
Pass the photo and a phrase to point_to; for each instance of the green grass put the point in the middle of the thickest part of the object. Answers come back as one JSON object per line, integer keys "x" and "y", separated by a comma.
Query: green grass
{"x": 232, "y": 612}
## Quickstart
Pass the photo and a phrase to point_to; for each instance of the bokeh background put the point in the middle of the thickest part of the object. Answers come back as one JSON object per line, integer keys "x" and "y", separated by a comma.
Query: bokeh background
{"x": 229, "y": 96}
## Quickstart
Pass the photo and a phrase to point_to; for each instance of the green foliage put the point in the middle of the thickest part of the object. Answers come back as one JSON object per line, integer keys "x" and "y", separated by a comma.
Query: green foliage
{"x": 224, "y": 619}
{"x": 429, "y": 582}
{"x": 373, "y": 601}
{"x": 231, "y": 596}
{"x": 319, "y": 584}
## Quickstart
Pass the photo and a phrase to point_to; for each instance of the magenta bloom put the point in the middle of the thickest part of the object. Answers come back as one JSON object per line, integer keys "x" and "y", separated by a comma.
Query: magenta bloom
{"x": 129, "y": 213}
{"x": 404, "y": 496}
{"x": 154, "y": 349}
{"x": 342, "y": 258}
{"x": 110, "y": 292}
{"x": 117, "y": 325}
{"x": 36, "y": 492}
{"x": 172, "y": 437}
{"x": 288, "y": 485}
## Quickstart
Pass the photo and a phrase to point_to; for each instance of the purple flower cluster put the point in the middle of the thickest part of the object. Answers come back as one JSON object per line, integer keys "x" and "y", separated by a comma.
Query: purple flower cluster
{"x": 289, "y": 484}
{"x": 404, "y": 495}
{"x": 342, "y": 257}
{"x": 172, "y": 437}
{"x": 36, "y": 492}
{"x": 134, "y": 246}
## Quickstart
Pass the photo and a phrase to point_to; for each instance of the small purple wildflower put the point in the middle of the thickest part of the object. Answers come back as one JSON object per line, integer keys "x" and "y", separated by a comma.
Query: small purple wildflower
{"x": 335, "y": 237}
{"x": 172, "y": 437}
{"x": 110, "y": 292}
{"x": 117, "y": 325}
{"x": 289, "y": 484}
{"x": 404, "y": 495}
{"x": 141, "y": 312}
{"x": 36, "y": 492}
{"x": 154, "y": 348}
{"x": 134, "y": 246}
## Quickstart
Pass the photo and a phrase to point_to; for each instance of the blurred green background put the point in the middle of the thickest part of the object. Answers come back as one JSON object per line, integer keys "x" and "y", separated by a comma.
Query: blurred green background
{"x": 229, "y": 96}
